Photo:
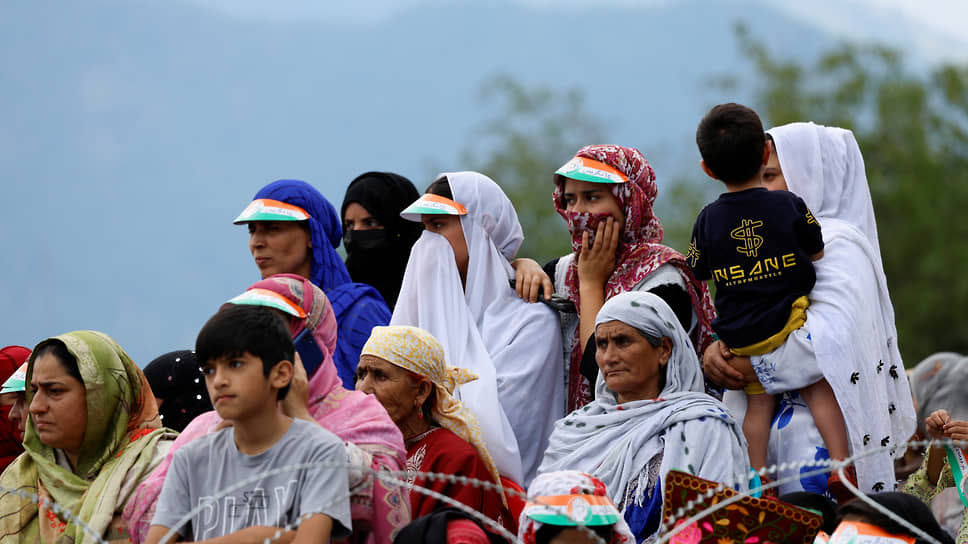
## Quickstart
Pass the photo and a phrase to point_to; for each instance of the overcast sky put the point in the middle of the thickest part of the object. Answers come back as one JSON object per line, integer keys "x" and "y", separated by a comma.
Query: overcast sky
{"x": 134, "y": 131}
{"x": 942, "y": 38}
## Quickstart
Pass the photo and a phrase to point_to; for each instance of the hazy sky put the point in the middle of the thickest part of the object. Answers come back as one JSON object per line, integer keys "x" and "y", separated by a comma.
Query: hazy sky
{"x": 943, "y": 20}
{"x": 134, "y": 130}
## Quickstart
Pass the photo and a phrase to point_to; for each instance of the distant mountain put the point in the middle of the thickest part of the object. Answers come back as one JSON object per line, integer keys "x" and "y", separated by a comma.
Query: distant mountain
{"x": 131, "y": 133}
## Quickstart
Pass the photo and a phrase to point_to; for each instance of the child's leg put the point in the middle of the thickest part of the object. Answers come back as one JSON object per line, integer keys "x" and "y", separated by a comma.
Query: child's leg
{"x": 828, "y": 418}
{"x": 756, "y": 426}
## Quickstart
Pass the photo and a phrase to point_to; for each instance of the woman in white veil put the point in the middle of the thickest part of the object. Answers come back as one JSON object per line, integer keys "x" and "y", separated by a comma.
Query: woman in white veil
{"x": 851, "y": 316}
{"x": 457, "y": 287}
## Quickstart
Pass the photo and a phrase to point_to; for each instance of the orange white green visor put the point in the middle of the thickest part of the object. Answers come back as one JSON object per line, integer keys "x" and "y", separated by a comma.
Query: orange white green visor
{"x": 857, "y": 532}
{"x": 266, "y": 209}
{"x": 573, "y": 510}
{"x": 585, "y": 169}
{"x": 434, "y": 205}
{"x": 269, "y": 299}
{"x": 16, "y": 383}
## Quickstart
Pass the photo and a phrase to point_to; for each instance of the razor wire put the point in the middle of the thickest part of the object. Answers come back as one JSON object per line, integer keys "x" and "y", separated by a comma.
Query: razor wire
{"x": 676, "y": 523}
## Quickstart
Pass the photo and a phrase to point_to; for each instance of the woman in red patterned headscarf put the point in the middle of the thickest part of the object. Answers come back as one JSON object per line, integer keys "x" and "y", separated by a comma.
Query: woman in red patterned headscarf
{"x": 11, "y": 357}
{"x": 605, "y": 194}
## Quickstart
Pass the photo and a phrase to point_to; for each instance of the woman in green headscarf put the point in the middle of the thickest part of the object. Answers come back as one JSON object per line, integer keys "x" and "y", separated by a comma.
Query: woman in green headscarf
{"x": 93, "y": 435}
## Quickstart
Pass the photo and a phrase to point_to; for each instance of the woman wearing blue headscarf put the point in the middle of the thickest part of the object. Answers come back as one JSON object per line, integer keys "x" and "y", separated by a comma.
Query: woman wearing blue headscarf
{"x": 294, "y": 229}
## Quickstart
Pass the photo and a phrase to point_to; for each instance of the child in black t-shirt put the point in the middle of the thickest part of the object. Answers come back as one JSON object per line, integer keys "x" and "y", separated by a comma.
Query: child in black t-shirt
{"x": 757, "y": 246}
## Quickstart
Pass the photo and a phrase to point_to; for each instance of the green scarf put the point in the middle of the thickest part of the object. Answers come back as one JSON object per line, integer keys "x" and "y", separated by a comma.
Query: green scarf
{"x": 123, "y": 430}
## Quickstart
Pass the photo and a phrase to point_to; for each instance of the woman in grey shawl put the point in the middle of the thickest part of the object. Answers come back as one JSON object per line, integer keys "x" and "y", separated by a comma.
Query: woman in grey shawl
{"x": 650, "y": 414}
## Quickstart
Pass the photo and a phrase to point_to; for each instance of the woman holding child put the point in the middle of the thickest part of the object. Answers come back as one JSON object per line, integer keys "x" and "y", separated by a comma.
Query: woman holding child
{"x": 94, "y": 434}
{"x": 851, "y": 318}
{"x": 370, "y": 436}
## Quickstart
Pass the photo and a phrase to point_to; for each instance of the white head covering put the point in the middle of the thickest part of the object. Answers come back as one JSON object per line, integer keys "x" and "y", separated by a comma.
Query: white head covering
{"x": 616, "y": 442}
{"x": 514, "y": 347}
{"x": 851, "y": 317}
{"x": 824, "y": 167}
{"x": 644, "y": 312}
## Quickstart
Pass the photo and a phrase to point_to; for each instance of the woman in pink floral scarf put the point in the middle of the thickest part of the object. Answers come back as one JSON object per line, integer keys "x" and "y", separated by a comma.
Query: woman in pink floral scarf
{"x": 372, "y": 439}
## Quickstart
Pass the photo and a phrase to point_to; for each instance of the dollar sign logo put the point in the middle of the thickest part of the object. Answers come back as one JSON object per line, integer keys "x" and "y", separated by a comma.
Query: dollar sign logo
{"x": 744, "y": 233}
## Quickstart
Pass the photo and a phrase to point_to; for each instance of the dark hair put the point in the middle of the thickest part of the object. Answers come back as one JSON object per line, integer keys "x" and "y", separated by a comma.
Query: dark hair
{"x": 816, "y": 503}
{"x": 239, "y": 328}
{"x": 547, "y": 532}
{"x": 731, "y": 139}
{"x": 907, "y": 507}
{"x": 58, "y": 349}
{"x": 678, "y": 300}
{"x": 440, "y": 187}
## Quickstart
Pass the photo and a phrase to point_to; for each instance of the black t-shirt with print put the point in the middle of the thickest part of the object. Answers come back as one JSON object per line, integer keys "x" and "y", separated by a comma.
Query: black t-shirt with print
{"x": 756, "y": 246}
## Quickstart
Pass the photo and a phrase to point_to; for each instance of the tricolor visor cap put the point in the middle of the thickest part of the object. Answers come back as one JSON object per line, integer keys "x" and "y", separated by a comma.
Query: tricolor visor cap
{"x": 585, "y": 169}
{"x": 573, "y": 510}
{"x": 266, "y": 209}
{"x": 434, "y": 205}
{"x": 269, "y": 299}
{"x": 17, "y": 382}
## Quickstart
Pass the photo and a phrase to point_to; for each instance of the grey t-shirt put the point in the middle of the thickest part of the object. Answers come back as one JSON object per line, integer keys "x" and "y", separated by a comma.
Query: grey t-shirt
{"x": 202, "y": 469}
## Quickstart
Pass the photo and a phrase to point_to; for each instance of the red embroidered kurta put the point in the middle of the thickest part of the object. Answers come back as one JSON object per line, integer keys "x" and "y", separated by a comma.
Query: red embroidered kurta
{"x": 440, "y": 450}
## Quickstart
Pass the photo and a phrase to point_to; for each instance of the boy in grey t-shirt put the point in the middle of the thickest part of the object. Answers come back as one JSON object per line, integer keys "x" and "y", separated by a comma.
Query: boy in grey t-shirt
{"x": 246, "y": 355}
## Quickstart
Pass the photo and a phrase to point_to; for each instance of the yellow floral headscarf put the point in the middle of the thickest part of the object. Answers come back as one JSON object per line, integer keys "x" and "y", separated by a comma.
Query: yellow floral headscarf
{"x": 416, "y": 350}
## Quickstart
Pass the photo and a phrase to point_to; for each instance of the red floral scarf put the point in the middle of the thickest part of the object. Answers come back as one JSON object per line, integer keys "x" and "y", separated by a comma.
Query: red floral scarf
{"x": 640, "y": 251}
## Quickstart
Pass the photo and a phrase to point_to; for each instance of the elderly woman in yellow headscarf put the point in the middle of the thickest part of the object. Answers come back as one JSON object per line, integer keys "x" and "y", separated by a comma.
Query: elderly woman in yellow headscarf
{"x": 404, "y": 368}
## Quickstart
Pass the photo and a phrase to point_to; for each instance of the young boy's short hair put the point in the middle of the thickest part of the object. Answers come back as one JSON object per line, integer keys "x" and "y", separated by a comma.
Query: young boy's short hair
{"x": 731, "y": 141}
{"x": 236, "y": 329}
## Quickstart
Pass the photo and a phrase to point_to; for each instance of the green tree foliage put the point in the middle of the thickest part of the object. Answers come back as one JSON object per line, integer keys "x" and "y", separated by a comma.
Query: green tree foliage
{"x": 532, "y": 133}
{"x": 912, "y": 127}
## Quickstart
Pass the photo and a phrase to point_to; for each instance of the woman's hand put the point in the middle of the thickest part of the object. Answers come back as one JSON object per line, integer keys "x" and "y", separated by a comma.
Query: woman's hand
{"x": 529, "y": 278}
{"x": 939, "y": 425}
{"x": 934, "y": 424}
{"x": 957, "y": 430}
{"x": 716, "y": 367}
{"x": 596, "y": 262}
{"x": 296, "y": 402}
{"x": 595, "y": 266}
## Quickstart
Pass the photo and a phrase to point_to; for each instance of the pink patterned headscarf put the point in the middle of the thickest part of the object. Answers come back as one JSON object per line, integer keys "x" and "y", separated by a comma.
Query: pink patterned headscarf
{"x": 640, "y": 251}
{"x": 321, "y": 321}
{"x": 353, "y": 416}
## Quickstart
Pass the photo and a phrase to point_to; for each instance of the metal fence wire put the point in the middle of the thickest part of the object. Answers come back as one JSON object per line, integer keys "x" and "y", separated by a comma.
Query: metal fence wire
{"x": 669, "y": 529}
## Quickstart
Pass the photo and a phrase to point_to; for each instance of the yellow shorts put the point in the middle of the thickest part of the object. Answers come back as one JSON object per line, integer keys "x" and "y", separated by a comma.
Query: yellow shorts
{"x": 798, "y": 316}
{"x": 755, "y": 388}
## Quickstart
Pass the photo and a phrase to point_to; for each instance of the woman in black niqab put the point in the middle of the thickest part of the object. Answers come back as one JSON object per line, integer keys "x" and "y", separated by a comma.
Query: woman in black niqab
{"x": 378, "y": 247}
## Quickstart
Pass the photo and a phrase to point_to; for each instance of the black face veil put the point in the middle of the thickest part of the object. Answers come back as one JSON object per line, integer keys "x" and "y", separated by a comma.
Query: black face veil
{"x": 379, "y": 258}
